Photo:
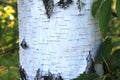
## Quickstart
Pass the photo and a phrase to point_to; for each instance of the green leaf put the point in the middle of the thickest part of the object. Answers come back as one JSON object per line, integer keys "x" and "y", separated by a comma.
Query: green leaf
{"x": 106, "y": 77}
{"x": 118, "y": 78}
{"x": 104, "y": 18}
{"x": 9, "y": 60}
{"x": 13, "y": 74}
{"x": 115, "y": 61}
{"x": 95, "y": 7}
{"x": 116, "y": 43}
{"x": 10, "y": 74}
{"x": 104, "y": 51}
{"x": 3, "y": 61}
{"x": 118, "y": 8}
{"x": 90, "y": 76}
{"x": 8, "y": 38}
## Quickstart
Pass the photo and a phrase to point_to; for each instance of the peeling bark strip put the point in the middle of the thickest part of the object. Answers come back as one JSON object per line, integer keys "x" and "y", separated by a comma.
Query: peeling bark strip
{"x": 49, "y": 5}
{"x": 49, "y": 76}
{"x": 23, "y": 75}
{"x": 64, "y": 4}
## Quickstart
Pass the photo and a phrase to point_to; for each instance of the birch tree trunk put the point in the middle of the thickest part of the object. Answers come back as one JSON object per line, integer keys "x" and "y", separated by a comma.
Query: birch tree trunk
{"x": 59, "y": 47}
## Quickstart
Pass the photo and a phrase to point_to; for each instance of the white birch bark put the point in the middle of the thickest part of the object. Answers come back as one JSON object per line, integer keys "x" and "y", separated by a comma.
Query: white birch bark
{"x": 59, "y": 45}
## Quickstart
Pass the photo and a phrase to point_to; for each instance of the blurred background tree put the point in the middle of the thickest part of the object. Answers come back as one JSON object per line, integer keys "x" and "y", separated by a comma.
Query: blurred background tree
{"x": 8, "y": 40}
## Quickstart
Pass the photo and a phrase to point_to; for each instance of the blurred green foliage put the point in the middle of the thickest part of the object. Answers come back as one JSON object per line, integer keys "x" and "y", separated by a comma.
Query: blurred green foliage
{"x": 8, "y": 40}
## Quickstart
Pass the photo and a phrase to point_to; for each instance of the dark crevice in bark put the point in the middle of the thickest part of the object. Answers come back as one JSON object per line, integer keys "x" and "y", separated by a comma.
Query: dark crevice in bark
{"x": 23, "y": 75}
{"x": 49, "y": 5}
{"x": 48, "y": 76}
{"x": 64, "y": 4}
{"x": 24, "y": 44}
{"x": 90, "y": 64}
{"x": 38, "y": 75}
{"x": 80, "y": 6}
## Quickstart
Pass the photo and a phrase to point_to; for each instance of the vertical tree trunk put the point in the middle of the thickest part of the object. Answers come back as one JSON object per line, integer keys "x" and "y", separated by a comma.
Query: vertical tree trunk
{"x": 56, "y": 47}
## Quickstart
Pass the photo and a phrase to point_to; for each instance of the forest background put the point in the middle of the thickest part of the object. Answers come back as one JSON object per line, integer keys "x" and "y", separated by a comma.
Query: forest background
{"x": 107, "y": 12}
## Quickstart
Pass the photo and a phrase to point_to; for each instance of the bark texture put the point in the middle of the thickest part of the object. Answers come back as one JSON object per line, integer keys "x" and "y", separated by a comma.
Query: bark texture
{"x": 58, "y": 44}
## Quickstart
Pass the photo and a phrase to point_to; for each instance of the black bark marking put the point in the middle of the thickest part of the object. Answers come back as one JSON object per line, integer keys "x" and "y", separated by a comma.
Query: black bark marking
{"x": 59, "y": 77}
{"x": 38, "y": 75}
{"x": 80, "y": 4}
{"x": 49, "y": 5}
{"x": 24, "y": 44}
{"x": 23, "y": 75}
{"x": 91, "y": 64}
{"x": 64, "y": 4}
{"x": 51, "y": 76}
{"x": 60, "y": 3}
{"x": 48, "y": 76}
